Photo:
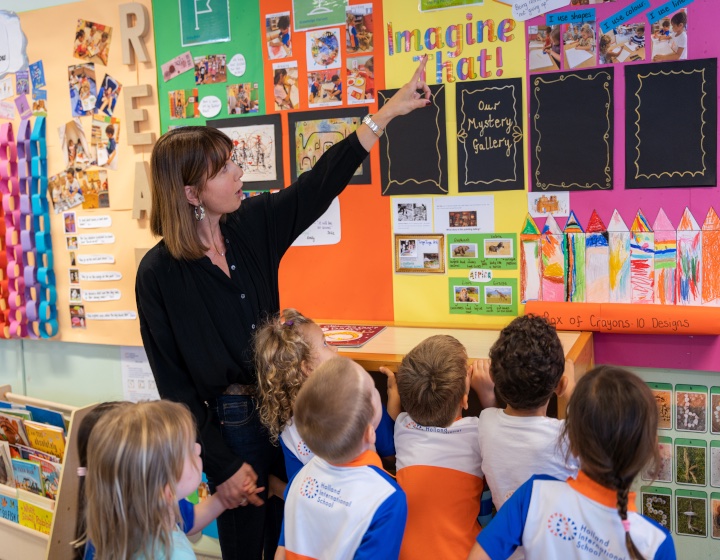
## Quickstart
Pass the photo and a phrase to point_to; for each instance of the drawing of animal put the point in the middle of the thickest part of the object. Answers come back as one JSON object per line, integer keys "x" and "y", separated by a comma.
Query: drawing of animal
{"x": 495, "y": 248}
{"x": 460, "y": 250}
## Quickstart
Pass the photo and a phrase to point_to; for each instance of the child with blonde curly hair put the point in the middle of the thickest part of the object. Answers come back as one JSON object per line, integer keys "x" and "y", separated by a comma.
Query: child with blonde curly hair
{"x": 288, "y": 348}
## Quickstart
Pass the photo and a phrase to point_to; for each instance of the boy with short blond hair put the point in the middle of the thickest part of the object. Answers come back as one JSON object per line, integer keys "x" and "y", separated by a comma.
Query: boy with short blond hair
{"x": 342, "y": 504}
{"x": 438, "y": 457}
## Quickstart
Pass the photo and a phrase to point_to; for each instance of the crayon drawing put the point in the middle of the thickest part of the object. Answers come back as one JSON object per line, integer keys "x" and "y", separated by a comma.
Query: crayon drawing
{"x": 665, "y": 260}
{"x": 619, "y": 244}
{"x": 597, "y": 256}
{"x": 552, "y": 243}
{"x": 642, "y": 260}
{"x": 689, "y": 260}
{"x": 574, "y": 260}
{"x": 530, "y": 263}
{"x": 711, "y": 259}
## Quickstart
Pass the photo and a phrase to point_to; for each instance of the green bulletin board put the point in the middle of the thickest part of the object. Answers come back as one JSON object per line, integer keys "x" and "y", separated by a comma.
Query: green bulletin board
{"x": 245, "y": 40}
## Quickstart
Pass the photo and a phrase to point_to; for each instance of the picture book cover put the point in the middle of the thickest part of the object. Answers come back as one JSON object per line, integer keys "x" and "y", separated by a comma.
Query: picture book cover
{"x": 24, "y": 452}
{"x": 50, "y": 473}
{"x": 12, "y": 429}
{"x": 46, "y": 438}
{"x": 8, "y": 504}
{"x": 27, "y": 476}
{"x": 47, "y": 416}
{"x": 350, "y": 336}
{"x": 6, "y": 471}
{"x": 19, "y": 411}
{"x": 34, "y": 516}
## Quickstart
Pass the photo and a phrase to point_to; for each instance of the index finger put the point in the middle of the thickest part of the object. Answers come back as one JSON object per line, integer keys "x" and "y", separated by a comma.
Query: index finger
{"x": 420, "y": 70}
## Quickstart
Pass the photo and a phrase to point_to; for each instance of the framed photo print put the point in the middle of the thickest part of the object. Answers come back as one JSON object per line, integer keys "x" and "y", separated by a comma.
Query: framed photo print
{"x": 420, "y": 253}
{"x": 312, "y": 133}
{"x": 257, "y": 148}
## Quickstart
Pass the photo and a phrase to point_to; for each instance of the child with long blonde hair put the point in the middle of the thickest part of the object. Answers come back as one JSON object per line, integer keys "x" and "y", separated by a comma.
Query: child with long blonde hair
{"x": 142, "y": 459}
{"x": 288, "y": 348}
{"x": 612, "y": 423}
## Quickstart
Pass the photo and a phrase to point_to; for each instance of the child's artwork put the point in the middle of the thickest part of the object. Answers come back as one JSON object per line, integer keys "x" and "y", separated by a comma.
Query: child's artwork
{"x": 83, "y": 89}
{"x": 530, "y": 261}
{"x": 92, "y": 41}
{"x": 107, "y": 96}
{"x": 665, "y": 260}
{"x": 210, "y": 69}
{"x": 715, "y": 410}
{"x": 359, "y": 28}
{"x": 104, "y": 137}
{"x": 663, "y": 398}
{"x": 325, "y": 88}
{"x": 65, "y": 190}
{"x": 715, "y": 463}
{"x": 597, "y": 259}
{"x": 689, "y": 260}
{"x": 619, "y": 269}
{"x": 323, "y": 49}
{"x": 691, "y": 513}
{"x": 184, "y": 104}
{"x": 313, "y": 133}
{"x": 690, "y": 462}
{"x": 575, "y": 260}
{"x": 360, "y": 79}
{"x": 642, "y": 260}
{"x": 285, "y": 89}
{"x": 691, "y": 408}
{"x": 178, "y": 65}
{"x": 313, "y": 14}
{"x": 541, "y": 205}
{"x": 256, "y": 149}
{"x": 278, "y": 36}
{"x": 552, "y": 243}
{"x": 243, "y": 98}
{"x": 76, "y": 151}
{"x": 656, "y": 504}
{"x": 96, "y": 192}
{"x": 711, "y": 259}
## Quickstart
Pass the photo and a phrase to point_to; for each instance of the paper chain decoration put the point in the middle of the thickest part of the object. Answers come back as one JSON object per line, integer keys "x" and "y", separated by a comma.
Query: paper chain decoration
{"x": 27, "y": 281}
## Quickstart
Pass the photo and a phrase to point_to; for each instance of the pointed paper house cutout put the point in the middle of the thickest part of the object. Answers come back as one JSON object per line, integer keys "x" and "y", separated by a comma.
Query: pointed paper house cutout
{"x": 573, "y": 224}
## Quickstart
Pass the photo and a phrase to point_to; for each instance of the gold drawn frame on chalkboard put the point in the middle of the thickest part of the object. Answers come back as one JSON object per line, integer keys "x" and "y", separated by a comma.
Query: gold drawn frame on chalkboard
{"x": 640, "y": 77}
{"x": 606, "y": 137}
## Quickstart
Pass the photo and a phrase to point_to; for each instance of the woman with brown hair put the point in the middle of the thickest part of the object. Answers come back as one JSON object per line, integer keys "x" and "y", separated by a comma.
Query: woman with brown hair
{"x": 205, "y": 287}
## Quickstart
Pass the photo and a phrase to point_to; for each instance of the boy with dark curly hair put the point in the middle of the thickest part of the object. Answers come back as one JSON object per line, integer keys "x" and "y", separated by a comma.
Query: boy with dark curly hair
{"x": 527, "y": 364}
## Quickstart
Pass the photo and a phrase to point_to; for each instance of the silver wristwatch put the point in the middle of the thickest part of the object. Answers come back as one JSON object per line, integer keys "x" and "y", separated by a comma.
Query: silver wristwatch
{"x": 367, "y": 119}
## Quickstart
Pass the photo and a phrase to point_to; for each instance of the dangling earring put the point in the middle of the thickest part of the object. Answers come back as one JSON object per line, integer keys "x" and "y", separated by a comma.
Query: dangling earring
{"x": 199, "y": 212}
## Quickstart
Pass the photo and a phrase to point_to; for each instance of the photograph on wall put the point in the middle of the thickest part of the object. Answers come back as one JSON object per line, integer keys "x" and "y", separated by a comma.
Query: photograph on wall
{"x": 72, "y": 242}
{"x": 83, "y": 89}
{"x": 670, "y": 37}
{"x": 464, "y": 214}
{"x": 104, "y": 136}
{"x": 210, "y": 69}
{"x": 664, "y": 471}
{"x": 184, "y": 104}
{"x": 715, "y": 463}
{"x": 77, "y": 316}
{"x": 22, "y": 83}
{"x": 691, "y": 513}
{"x": 312, "y": 133}
{"x": 96, "y": 191}
{"x": 419, "y": 253}
{"x": 278, "y": 36}
{"x": 691, "y": 462}
{"x": 360, "y": 79}
{"x": 715, "y": 514}
{"x": 663, "y": 399}
{"x": 324, "y": 88}
{"x": 74, "y": 275}
{"x": 323, "y": 49}
{"x": 243, "y": 98}
{"x": 313, "y": 14}
{"x": 76, "y": 152}
{"x": 257, "y": 149}
{"x": 715, "y": 410}
{"x": 107, "y": 96}
{"x": 285, "y": 88}
{"x": 92, "y": 41}
{"x": 691, "y": 408}
{"x": 579, "y": 45}
{"x": 491, "y": 251}
{"x": 544, "y": 48}
{"x": 541, "y": 205}
{"x": 625, "y": 43}
{"x": 657, "y": 504}
{"x": 75, "y": 295}
{"x": 65, "y": 190}
{"x": 69, "y": 222}
{"x": 490, "y": 296}
{"x": 412, "y": 215}
{"x": 359, "y": 28}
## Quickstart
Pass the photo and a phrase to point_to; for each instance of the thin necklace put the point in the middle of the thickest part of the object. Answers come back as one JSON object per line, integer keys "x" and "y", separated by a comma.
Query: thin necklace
{"x": 212, "y": 236}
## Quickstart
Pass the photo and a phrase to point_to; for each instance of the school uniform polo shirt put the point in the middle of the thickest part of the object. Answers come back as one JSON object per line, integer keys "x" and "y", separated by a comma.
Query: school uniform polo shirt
{"x": 576, "y": 519}
{"x": 439, "y": 469}
{"x": 354, "y": 511}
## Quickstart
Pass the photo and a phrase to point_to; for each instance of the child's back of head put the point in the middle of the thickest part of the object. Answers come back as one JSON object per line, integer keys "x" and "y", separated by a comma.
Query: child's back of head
{"x": 433, "y": 380}
{"x": 611, "y": 426}
{"x": 336, "y": 409}
{"x": 527, "y": 362}
{"x": 137, "y": 461}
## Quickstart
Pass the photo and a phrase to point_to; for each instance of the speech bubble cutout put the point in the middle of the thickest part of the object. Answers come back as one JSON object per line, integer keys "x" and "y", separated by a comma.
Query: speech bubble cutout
{"x": 210, "y": 106}
{"x": 237, "y": 65}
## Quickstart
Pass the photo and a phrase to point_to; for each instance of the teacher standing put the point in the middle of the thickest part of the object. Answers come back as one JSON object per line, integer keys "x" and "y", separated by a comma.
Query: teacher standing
{"x": 203, "y": 290}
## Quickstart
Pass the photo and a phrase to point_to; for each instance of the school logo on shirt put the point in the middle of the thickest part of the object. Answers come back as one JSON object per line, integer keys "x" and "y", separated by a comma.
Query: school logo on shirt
{"x": 303, "y": 449}
{"x": 309, "y": 488}
{"x": 562, "y": 526}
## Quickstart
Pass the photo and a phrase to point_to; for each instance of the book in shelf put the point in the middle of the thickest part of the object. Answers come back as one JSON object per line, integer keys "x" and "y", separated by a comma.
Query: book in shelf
{"x": 12, "y": 428}
{"x": 46, "y": 438}
{"x": 27, "y": 476}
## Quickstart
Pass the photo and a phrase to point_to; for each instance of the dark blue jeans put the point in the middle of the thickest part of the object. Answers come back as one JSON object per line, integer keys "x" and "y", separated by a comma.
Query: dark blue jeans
{"x": 245, "y": 532}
